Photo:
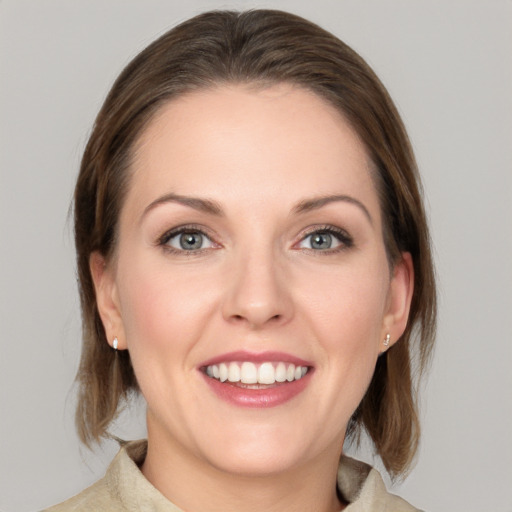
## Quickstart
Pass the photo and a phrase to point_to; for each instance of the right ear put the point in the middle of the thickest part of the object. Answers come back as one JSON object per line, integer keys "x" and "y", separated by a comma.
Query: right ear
{"x": 107, "y": 299}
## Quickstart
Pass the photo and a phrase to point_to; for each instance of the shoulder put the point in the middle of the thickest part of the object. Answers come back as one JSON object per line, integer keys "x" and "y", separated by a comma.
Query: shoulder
{"x": 123, "y": 488}
{"x": 95, "y": 497}
{"x": 363, "y": 487}
{"x": 115, "y": 491}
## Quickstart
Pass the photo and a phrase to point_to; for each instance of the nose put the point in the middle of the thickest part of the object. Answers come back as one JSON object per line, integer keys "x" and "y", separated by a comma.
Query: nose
{"x": 258, "y": 293}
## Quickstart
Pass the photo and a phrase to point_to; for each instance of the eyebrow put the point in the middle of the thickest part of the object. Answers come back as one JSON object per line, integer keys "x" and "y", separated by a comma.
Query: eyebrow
{"x": 214, "y": 208}
{"x": 315, "y": 203}
{"x": 202, "y": 205}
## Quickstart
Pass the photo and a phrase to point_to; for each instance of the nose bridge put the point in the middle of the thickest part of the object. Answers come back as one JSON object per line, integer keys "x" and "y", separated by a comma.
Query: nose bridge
{"x": 257, "y": 293}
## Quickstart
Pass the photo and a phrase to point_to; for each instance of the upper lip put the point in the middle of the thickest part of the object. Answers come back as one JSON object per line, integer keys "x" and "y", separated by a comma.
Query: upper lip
{"x": 256, "y": 357}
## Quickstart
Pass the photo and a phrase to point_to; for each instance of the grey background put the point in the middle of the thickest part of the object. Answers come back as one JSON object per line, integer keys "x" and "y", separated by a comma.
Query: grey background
{"x": 447, "y": 64}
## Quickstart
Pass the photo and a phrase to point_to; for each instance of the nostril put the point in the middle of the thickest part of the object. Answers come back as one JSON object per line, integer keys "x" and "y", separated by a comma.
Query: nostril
{"x": 243, "y": 318}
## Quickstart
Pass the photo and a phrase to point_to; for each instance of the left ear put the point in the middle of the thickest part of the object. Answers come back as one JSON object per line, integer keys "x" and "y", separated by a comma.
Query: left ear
{"x": 399, "y": 299}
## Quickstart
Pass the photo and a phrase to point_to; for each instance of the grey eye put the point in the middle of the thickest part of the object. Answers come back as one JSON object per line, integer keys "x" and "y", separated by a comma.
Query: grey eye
{"x": 321, "y": 241}
{"x": 190, "y": 241}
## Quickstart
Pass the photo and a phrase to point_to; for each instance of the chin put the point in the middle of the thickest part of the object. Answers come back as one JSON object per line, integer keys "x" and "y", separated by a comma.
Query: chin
{"x": 260, "y": 464}
{"x": 265, "y": 451}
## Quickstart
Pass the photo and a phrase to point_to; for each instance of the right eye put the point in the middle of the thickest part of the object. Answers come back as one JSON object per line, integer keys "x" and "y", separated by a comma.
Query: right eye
{"x": 188, "y": 240}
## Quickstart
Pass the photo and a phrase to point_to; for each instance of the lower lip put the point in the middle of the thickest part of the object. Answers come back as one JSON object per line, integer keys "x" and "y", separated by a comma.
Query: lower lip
{"x": 273, "y": 396}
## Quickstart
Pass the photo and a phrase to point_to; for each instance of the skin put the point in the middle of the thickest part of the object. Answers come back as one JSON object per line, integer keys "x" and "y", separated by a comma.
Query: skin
{"x": 256, "y": 285}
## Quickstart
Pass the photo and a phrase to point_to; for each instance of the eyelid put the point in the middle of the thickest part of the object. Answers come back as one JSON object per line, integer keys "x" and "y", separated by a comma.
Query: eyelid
{"x": 344, "y": 238}
{"x": 163, "y": 239}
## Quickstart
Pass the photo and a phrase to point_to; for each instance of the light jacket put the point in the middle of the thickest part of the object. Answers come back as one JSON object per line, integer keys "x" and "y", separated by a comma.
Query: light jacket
{"x": 125, "y": 489}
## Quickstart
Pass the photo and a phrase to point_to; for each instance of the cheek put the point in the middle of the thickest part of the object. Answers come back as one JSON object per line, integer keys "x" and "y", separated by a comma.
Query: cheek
{"x": 347, "y": 304}
{"x": 346, "y": 311}
{"x": 163, "y": 309}
{"x": 349, "y": 335}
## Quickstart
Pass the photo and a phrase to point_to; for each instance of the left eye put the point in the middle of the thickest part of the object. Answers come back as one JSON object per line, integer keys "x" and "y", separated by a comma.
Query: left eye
{"x": 321, "y": 241}
{"x": 189, "y": 241}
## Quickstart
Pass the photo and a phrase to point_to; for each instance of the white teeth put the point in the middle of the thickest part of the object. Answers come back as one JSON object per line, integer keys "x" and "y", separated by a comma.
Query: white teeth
{"x": 250, "y": 373}
{"x": 281, "y": 372}
{"x": 223, "y": 372}
{"x": 233, "y": 372}
{"x": 266, "y": 374}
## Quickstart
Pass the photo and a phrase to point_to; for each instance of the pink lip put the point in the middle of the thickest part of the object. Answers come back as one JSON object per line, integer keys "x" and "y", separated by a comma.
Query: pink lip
{"x": 260, "y": 357}
{"x": 271, "y": 396}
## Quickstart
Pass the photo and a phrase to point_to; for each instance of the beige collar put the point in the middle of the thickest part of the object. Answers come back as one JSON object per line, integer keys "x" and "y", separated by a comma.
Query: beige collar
{"x": 358, "y": 483}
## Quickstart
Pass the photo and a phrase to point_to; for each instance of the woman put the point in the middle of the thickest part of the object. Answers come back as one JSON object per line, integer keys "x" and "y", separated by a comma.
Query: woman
{"x": 254, "y": 258}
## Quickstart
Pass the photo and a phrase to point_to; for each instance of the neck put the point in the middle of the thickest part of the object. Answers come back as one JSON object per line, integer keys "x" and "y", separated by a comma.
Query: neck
{"x": 312, "y": 486}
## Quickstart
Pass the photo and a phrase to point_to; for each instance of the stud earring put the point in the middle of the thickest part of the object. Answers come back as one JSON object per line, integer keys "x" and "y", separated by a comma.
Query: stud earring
{"x": 386, "y": 340}
{"x": 115, "y": 343}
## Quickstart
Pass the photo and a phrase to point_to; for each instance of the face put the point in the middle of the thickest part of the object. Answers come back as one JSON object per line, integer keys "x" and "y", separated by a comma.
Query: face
{"x": 251, "y": 284}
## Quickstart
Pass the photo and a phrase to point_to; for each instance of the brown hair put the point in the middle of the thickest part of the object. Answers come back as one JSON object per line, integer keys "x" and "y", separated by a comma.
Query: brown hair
{"x": 259, "y": 47}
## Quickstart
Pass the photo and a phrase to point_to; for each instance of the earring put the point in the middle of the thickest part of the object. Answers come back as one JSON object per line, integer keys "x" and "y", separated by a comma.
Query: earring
{"x": 387, "y": 339}
{"x": 115, "y": 343}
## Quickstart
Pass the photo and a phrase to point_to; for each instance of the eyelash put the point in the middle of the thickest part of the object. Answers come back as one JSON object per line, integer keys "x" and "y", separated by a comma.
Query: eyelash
{"x": 163, "y": 241}
{"x": 345, "y": 240}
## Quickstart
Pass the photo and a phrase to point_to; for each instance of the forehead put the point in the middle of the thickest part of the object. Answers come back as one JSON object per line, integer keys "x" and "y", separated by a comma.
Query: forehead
{"x": 278, "y": 142}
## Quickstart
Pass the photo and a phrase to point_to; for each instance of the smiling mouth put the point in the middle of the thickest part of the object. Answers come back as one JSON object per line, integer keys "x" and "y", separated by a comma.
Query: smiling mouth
{"x": 249, "y": 374}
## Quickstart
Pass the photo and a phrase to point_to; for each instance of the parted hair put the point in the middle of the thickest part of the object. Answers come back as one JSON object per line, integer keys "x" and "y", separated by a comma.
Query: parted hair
{"x": 260, "y": 48}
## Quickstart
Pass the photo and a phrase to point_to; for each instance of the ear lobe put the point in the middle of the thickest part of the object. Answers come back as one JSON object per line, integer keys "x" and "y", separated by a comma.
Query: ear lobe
{"x": 400, "y": 297}
{"x": 107, "y": 299}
